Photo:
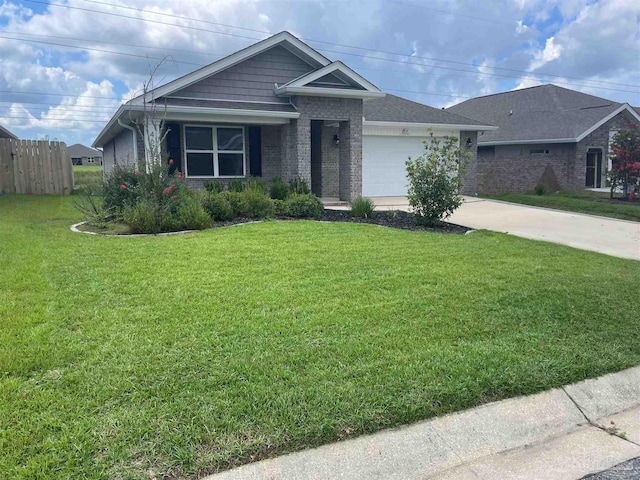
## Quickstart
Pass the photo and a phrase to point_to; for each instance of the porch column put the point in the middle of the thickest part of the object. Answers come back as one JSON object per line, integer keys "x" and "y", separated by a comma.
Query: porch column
{"x": 470, "y": 177}
{"x": 350, "y": 134}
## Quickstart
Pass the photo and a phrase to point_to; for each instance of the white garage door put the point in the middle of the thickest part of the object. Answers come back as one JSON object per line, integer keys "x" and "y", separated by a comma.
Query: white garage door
{"x": 384, "y": 173}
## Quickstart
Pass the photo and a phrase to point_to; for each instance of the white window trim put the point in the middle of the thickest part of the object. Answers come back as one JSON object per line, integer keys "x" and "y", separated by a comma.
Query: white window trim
{"x": 214, "y": 152}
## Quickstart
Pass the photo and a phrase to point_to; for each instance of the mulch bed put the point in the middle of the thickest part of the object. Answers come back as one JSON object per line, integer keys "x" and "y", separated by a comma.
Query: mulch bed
{"x": 393, "y": 219}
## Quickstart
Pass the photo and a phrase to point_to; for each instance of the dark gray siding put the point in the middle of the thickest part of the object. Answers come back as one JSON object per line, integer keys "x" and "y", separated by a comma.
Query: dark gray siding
{"x": 252, "y": 80}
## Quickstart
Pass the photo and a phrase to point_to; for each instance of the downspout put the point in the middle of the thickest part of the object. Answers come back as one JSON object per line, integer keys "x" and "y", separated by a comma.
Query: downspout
{"x": 135, "y": 142}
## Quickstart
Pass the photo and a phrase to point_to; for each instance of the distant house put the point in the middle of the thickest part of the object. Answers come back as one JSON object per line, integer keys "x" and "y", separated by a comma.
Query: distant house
{"x": 4, "y": 133}
{"x": 548, "y": 135}
{"x": 82, "y": 155}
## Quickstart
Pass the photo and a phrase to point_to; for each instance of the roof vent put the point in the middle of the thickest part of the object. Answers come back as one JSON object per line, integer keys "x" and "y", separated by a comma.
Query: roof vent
{"x": 510, "y": 112}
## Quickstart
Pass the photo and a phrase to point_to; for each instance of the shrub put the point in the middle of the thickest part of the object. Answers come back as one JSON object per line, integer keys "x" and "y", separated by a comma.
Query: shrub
{"x": 298, "y": 185}
{"x": 236, "y": 185}
{"x": 191, "y": 216}
{"x": 280, "y": 208}
{"x": 258, "y": 205}
{"x": 120, "y": 188}
{"x": 215, "y": 187}
{"x": 256, "y": 184}
{"x": 303, "y": 205}
{"x": 216, "y": 206}
{"x": 142, "y": 217}
{"x": 91, "y": 205}
{"x": 362, "y": 207}
{"x": 435, "y": 180}
{"x": 279, "y": 190}
{"x": 539, "y": 190}
{"x": 237, "y": 203}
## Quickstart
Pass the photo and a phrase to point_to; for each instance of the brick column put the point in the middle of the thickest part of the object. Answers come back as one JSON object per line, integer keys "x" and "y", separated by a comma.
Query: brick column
{"x": 350, "y": 159}
{"x": 470, "y": 177}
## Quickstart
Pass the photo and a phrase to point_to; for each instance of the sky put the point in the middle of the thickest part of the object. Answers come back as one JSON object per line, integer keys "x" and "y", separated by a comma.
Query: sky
{"x": 66, "y": 65}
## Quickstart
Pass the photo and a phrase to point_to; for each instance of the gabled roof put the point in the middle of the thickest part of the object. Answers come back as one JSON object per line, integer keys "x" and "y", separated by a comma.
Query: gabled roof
{"x": 79, "y": 151}
{"x": 344, "y": 78}
{"x": 4, "y": 133}
{"x": 543, "y": 114}
{"x": 395, "y": 109}
{"x": 283, "y": 39}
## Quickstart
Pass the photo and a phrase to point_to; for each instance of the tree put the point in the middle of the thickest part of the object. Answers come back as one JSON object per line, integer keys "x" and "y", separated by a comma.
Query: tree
{"x": 435, "y": 179}
{"x": 625, "y": 159}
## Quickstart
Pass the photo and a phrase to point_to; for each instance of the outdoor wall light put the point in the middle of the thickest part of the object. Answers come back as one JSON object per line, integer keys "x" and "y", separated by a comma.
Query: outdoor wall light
{"x": 469, "y": 142}
{"x": 336, "y": 139}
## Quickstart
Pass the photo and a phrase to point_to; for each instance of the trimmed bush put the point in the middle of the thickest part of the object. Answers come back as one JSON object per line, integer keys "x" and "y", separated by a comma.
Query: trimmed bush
{"x": 237, "y": 202}
{"x": 191, "y": 216}
{"x": 236, "y": 185}
{"x": 216, "y": 206}
{"x": 362, "y": 207}
{"x": 279, "y": 190}
{"x": 142, "y": 217}
{"x": 257, "y": 185}
{"x": 303, "y": 205}
{"x": 215, "y": 187}
{"x": 280, "y": 208}
{"x": 299, "y": 185}
{"x": 258, "y": 205}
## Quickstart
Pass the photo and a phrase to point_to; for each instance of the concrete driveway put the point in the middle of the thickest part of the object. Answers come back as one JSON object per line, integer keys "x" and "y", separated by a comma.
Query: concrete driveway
{"x": 619, "y": 238}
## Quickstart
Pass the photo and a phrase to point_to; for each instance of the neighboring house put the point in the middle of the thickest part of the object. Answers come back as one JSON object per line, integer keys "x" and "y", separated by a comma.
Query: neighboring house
{"x": 548, "y": 135}
{"x": 280, "y": 108}
{"x": 4, "y": 133}
{"x": 83, "y": 155}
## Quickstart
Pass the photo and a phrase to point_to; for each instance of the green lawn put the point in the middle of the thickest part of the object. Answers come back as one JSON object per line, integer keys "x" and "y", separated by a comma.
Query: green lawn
{"x": 181, "y": 355}
{"x": 594, "y": 203}
{"x": 87, "y": 175}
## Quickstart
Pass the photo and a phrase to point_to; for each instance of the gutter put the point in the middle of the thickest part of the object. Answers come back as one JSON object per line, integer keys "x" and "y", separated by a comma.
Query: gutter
{"x": 135, "y": 141}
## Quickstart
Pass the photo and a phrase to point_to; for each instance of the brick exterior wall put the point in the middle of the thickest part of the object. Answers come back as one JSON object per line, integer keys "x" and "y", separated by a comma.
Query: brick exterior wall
{"x": 469, "y": 178}
{"x": 330, "y": 163}
{"x": 513, "y": 169}
{"x": 271, "y": 136}
{"x": 296, "y": 141}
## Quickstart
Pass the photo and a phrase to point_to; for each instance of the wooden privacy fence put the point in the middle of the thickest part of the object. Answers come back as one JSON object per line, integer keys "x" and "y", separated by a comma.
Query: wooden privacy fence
{"x": 37, "y": 167}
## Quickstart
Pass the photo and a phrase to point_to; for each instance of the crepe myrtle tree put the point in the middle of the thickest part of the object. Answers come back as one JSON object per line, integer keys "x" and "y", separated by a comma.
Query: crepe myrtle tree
{"x": 435, "y": 179}
{"x": 624, "y": 152}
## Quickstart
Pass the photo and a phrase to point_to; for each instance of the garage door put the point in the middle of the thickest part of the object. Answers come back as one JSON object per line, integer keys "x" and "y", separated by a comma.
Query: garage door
{"x": 383, "y": 170}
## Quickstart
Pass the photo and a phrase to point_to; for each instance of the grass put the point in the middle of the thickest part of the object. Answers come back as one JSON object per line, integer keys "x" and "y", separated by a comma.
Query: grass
{"x": 594, "y": 203}
{"x": 178, "y": 356}
{"x": 87, "y": 175}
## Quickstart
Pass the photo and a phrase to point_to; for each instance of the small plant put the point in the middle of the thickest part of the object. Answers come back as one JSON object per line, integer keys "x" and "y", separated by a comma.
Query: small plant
{"x": 258, "y": 205}
{"x": 279, "y": 190}
{"x": 280, "y": 208}
{"x": 191, "y": 216}
{"x": 298, "y": 185}
{"x": 142, "y": 217}
{"x": 362, "y": 207}
{"x": 215, "y": 187}
{"x": 435, "y": 180}
{"x": 91, "y": 206}
{"x": 539, "y": 190}
{"x": 303, "y": 205}
{"x": 217, "y": 206}
{"x": 236, "y": 185}
{"x": 256, "y": 184}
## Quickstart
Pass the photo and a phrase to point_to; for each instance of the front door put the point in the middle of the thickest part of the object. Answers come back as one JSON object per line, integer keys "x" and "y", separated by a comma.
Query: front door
{"x": 594, "y": 168}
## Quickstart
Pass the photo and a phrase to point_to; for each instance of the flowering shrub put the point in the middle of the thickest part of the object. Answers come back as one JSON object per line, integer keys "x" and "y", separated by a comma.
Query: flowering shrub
{"x": 625, "y": 160}
{"x": 153, "y": 202}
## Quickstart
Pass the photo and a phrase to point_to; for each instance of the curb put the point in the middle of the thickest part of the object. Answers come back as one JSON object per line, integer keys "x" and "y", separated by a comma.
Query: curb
{"x": 449, "y": 444}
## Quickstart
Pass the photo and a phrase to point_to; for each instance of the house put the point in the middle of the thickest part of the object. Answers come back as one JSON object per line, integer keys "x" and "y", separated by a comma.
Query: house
{"x": 281, "y": 109}
{"x": 4, "y": 133}
{"x": 83, "y": 155}
{"x": 548, "y": 135}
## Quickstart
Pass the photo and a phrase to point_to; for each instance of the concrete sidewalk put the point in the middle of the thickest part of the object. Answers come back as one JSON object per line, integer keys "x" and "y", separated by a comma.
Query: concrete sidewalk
{"x": 564, "y": 433}
{"x": 619, "y": 238}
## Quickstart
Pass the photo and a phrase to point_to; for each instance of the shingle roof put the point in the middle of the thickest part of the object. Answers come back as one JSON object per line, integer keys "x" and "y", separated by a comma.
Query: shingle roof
{"x": 536, "y": 113}
{"x": 396, "y": 109}
{"x": 4, "y": 133}
{"x": 80, "y": 151}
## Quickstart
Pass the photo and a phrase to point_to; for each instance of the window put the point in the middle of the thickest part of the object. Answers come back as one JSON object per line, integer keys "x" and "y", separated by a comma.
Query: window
{"x": 539, "y": 151}
{"x": 214, "y": 151}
